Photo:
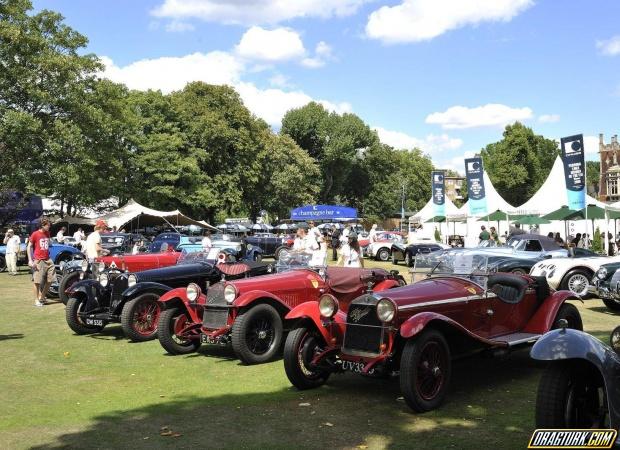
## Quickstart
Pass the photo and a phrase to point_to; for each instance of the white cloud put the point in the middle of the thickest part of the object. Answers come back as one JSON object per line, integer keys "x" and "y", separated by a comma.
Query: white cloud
{"x": 279, "y": 44}
{"x": 420, "y": 20}
{"x": 549, "y": 118}
{"x": 322, "y": 53}
{"x": 590, "y": 144}
{"x": 431, "y": 144}
{"x": 173, "y": 73}
{"x": 492, "y": 114}
{"x": 253, "y": 12}
{"x": 609, "y": 47}
{"x": 279, "y": 80}
{"x": 177, "y": 26}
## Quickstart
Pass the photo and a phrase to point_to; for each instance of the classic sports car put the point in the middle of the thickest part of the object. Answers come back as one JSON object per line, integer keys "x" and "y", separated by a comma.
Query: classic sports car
{"x": 381, "y": 249}
{"x": 271, "y": 244}
{"x": 131, "y": 298}
{"x": 407, "y": 253}
{"x": 459, "y": 309}
{"x": 606, "y": 285}
{"x": 573, "y": 274}
{"x": 172, "y": 239}
{"x": 581, "y": 386}
{"x": 119, "y": 243}
{"x": 58, "y": 253}
{"x": 250, "y": 313}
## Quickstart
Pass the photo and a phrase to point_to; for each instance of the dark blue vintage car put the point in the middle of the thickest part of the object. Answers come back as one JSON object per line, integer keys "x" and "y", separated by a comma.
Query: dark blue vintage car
{"x": 581, "y": 386}
{"x": 271, "y": 244}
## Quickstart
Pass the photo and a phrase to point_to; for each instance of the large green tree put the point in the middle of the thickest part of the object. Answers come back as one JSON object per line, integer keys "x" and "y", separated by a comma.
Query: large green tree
{"x": 519, "y": 164}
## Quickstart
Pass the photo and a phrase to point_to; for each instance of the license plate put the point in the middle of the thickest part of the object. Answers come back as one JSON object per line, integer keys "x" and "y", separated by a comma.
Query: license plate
{"x": 94, "y": 322}
{"x": 351, "y": 366}
{"x": 207, "y": 339}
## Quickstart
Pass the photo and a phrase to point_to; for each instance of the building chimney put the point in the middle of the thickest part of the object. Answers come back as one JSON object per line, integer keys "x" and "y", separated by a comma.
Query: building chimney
{"x": 614, "y": 139}
{"x": 600, "y": 139}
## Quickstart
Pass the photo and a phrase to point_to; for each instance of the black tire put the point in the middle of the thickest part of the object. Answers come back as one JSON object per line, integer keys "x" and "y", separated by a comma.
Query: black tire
{"x": 612, "y": 304}
{"x": 413, "y": 359}
{"x": 168, "y": 320}
{"x": 66, "y": 282}
{"x": 257, "y": 334}
{"x": 299, "y": 348}
{"x": 571, "y": 314}
{"x": 258, "y": 257}
{"x": 575, "y": 278}
{"x": 394, "y": 260}
{"x": 2, "y": 264}
{"x": 383, "y": 254}
{"x": 140, "y": 317}
{"x": 519, "y": 271}
{"x": 569, "y": 397}
{"x": 73, "y": 320}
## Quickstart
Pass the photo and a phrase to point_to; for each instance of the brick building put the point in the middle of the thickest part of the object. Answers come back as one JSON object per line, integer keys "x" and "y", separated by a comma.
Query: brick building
{"x": 609, "y": 186}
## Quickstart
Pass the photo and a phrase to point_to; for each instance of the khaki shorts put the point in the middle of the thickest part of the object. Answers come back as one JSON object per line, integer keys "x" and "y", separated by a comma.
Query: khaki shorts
{"x": 43, "y": 270}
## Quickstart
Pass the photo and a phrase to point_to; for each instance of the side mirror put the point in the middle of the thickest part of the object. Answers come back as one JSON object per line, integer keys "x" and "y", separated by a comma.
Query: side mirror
{"x": 614, "y": 340}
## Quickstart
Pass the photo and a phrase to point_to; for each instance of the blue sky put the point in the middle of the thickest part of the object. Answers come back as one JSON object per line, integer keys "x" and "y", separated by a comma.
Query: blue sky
{"x": 444, "y": 75}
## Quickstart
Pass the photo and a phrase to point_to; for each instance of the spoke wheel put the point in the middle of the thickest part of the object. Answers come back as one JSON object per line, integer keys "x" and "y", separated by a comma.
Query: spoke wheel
{"x": 302, "y": 345}
{"x": 140, "y": 317}
{"x": 257, "y": 334}
{"x": 430, "y": 377}
{"x": 577, "y": 282}
{"x": 171, "y": 324}
{"x": 72, "y": 315}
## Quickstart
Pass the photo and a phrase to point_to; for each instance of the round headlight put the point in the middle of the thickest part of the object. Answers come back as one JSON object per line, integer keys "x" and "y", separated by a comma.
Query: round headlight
{"x": 601, "y": 273}
{"x": 230, "y": 293}
{"x": 104, "y": 279}
{"x": 193, "y": 292}
{"x": 132, "y": 280}
{"x": 250, "y": 247}
{"x": 386, "y": 310}
{"x": 100, "y": 266}
{"x": 614, "y": 339}
{"x": 328, "y": 306}
{"x": 84, "y": 265}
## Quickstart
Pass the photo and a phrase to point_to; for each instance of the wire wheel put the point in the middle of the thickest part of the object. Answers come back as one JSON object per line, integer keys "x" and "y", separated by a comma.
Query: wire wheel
{"x": 430, "y": 371}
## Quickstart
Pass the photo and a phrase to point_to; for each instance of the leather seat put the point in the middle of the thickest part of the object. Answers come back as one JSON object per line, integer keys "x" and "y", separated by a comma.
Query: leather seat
{"x": 233, "y": 269}
{"x": 509, "y": 288}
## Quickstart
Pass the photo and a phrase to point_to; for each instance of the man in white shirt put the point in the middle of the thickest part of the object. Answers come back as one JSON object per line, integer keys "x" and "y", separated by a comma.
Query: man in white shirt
{"x": 372, "y": 236}
{"x": 206, "y": 242}
{"x": 60, "y": 236}
{"x": 78, "y": 235}
{"x": 93, "y": 241}
{"x": 12, "y": 242}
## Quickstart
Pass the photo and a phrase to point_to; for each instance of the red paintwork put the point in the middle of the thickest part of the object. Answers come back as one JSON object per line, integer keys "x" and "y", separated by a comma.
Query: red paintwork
{"x": 142, "y": 261}
{"x": 174, "y": 296}
{"x": 468, "y": 314}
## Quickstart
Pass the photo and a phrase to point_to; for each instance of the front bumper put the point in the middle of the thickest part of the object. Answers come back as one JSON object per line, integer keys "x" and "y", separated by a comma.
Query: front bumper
{"x": 604, "y": 290}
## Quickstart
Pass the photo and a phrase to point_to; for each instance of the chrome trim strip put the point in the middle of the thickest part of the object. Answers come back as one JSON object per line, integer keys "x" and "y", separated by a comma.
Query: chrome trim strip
{"x": 522, "y": 341}
{"x": 445, "y": 302}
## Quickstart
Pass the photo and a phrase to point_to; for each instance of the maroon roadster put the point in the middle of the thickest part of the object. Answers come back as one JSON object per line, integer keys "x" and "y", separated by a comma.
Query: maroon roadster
{"x": 459, "y": 309}
{"x": 250, "y": 313}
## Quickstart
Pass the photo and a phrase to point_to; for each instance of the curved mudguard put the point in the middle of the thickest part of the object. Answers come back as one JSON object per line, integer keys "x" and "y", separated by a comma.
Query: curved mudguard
{"x": 252, "y": 296}
{"x": 89, "y": 289}
{"x": 542, "y": 321}
{"x": 143, "y": 288}
{"x": 568, "y": 344}
{"x": 178, "y": 297}
{"x": 330, "y": 330}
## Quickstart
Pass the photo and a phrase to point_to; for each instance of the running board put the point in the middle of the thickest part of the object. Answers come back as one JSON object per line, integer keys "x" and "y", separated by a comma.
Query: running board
{"x": 517, "y": 338}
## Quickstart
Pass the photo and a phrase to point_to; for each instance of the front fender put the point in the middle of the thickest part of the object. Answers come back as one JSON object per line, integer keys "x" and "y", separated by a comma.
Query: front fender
{"x": 178, "y": 298}
{"x": 567, "y": 344}
{"x": 330, "y": 330}
{"x": 417, "y": 323}
{"x": 250, "y": 297}
{"x": 543, "y": 319}
{"x": 88, "y": 289}
{"x": 144, "y": 287}
{"x": 385, "y": 285}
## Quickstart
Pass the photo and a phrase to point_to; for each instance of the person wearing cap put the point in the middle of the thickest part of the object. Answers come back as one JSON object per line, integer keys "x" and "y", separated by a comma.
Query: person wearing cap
{"x": 12, "y": 242}
{"x": 93, "y": 241}
{"x": 39, "y": 260}
{"x": 351, "y": 254}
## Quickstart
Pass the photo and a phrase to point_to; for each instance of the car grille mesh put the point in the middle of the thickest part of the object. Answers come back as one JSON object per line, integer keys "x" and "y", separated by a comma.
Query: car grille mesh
{"x": 119, "y": 284}
{"x": 215, "y": 317}
{"x": 215, "y": 295}
{"x": 364, "y": 330}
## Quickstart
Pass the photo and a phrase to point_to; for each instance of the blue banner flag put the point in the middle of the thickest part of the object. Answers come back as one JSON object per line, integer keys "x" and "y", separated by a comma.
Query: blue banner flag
{"x": 323, "y": 212}
{"x": 439, "y": 192}
{"x": 574, "y": 170}
{"x": 475, "y": 186}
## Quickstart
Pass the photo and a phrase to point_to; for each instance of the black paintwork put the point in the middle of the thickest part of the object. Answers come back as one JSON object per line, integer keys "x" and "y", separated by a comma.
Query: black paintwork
{"x": 117, "y": 243}
{"x": 572, "y": 345}
{"x": 400, "y": 251}
{"x": 269, "y": 243}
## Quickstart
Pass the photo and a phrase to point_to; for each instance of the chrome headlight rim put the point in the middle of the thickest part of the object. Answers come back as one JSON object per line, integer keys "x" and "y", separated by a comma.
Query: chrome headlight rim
{"x": 602, "y": 273}
{"x": 84, "y": 265}
{"x": 132, "y": 280}
{"x": 104, "y": 279}
{"x": 614, "y": 340}
{"x": 386, "y": 310}
{"x": 230, "y": 293}
{"x": 193, "y": 291}
{"x": 328, "y": 306}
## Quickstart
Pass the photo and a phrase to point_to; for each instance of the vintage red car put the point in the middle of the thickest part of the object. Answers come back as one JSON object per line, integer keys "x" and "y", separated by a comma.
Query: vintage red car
{"x": 457, "y": 310}
{"x": 142, "y": 261}
{"x": 250, "y": 313}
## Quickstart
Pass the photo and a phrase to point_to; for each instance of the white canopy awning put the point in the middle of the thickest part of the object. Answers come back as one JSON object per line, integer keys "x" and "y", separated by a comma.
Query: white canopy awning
{"x": 494, "y": 200}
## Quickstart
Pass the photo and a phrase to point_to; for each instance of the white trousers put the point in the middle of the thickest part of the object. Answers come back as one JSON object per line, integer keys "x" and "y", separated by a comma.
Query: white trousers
{"x": 11, "y": 262}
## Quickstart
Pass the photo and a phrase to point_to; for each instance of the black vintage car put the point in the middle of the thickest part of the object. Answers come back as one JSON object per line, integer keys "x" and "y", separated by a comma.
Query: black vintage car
{"x": 407, "y": 253}
{"x": 606, "y": 285}
{"x": 117, "y": 243}
{"x": 581, "y": 386}
{"x": 132, "y": 298}
{"x": 271, "y": 244}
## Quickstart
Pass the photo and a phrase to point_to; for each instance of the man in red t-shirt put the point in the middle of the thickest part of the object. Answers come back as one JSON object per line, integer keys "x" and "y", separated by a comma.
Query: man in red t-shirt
{"x": 40, "y": 262}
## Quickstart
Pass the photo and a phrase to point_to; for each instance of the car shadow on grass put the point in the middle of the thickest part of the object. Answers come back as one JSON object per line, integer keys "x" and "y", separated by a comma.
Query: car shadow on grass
{"x": 6, "y": 337}
{"x": 489, "y": 400}
{"x": 109, "y": 333}
{"x": 605, "y": 310}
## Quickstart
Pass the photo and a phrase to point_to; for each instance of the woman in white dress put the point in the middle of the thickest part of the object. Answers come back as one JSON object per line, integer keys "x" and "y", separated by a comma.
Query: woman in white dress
{"x": 319, "y": 252}
{"x": 351, "y": 253}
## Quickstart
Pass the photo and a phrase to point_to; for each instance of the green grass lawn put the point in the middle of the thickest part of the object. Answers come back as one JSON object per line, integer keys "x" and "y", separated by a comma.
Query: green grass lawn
{"x": 101, "y": 391}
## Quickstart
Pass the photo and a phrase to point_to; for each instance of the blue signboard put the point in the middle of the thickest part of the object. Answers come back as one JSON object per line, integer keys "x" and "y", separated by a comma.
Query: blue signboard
{"x": 475, "y": 186}
{"x": 574, "y": 171}
{"x": 439, "y": 192}
{"x": 323, "y": 212}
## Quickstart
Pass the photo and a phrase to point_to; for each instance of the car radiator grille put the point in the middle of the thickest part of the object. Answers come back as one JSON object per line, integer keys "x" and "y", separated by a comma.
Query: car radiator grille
{"x": 119, "y": 284}
{"x": 215, "y": 317}
{"x": 364, "y": 330}
{"x": 215, "y": 295}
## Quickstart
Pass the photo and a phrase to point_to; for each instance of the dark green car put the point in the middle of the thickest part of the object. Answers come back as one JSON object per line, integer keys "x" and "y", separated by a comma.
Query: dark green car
{"x": 606, "y": 285}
